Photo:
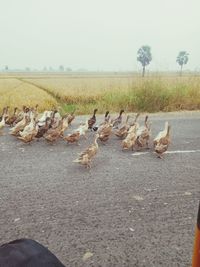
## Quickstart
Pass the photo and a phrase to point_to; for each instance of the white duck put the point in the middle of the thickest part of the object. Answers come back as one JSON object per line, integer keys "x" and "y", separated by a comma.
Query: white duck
{"x": 143, "y": 134}
{"x": 83, "y": 128}
{"x": 42, "y": 120}
{"x": 2, "y": 123}
{"x": 162, "y": 141}
{"x": 20, "y": 125}
{"x": 28, "y": 128}
{"x": 161, "y": 134}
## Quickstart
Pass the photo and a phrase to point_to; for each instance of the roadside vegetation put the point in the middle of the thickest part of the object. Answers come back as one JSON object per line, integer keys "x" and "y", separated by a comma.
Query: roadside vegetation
{"x": 83, "y": 94}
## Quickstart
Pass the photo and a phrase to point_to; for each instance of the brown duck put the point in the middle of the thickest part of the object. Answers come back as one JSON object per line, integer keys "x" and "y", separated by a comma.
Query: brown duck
{"x": 116, "y": 122}
{"x": 105, "y": 132}
{"x": 162, "y": 141}
{"x": 30, "y": 135}
{"x": 87, "y": 155}
{"x": 130, "y": 140}
{"x": 11, "y": 120}
{"x": 71, "y": 117}
{"x": 72, "y": 138}
{"x": 43, "y": 129}
{"x": 92, "y": 120}
{"x": 53, "y": 135}
{"x": 20, "y": 125}
{"x": 143, "y": 134}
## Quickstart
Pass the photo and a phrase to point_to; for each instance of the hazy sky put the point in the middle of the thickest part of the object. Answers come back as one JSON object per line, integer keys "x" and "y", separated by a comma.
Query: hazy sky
{"x": 98, "y": 34}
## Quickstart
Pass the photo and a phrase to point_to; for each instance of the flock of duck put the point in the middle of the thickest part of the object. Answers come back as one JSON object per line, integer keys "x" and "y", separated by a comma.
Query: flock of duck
{"x": 27, "y": 125}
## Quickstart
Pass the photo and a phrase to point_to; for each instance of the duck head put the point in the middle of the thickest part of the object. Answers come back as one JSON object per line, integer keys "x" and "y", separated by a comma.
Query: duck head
{"x": 121, "y": 111}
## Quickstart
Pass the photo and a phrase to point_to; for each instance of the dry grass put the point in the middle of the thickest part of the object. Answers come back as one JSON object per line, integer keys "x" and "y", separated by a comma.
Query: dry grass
{"x": 154, "y": 93}
{"x": 82, "y": 90}
{"x": 84, "y": 93}
{"x": 16, "y": 93}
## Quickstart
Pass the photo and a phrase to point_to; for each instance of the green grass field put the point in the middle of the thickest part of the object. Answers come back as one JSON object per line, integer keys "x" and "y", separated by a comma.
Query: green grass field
{"x": 105, "y": 91}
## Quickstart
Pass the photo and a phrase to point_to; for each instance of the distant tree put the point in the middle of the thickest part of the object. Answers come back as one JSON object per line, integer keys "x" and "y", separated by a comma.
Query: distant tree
{"x": 144, "y": 57}
{"x": 6, "y": 68}
{"x": 68, "y": 69}
{"x": 61, "y": 68}
{"x": 182, "y": 59}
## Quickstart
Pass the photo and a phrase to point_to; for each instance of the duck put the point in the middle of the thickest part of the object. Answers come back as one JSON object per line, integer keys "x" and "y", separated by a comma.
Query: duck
{"x": 11, "y": 120}
{"x": 130, "y": 140}
{"x": 71, "y": 117}
{"x": 83, "y": 128}
{"x": 72, "y": 138}
{"x": 143, "y": 134}
{"x": 35, "y": 110}
{"x": 105, "y": 131}
{"x": 106, "y": 119}
{"x": 29, "y": 127}
{"x": 107, "y": 116}
{"x": 51, "y": 130}
{"x": 55, "y": 119}
{"x": 162, "y": 141}
{"x": 3, "y": 123}
{"x": 123, "y": 131}
{"x": 53, "y": 134}
{"x": 30, "y": 135}
{"x": 92, "y": 120}
{"x": 3, "y": 112}
{"x": 7, "y": 112}
{"x": 42, "y": 120}
{"x": 88, "y": 154}
{"x": 20, "y": 115}
{"x": 43, "y": 129}
{"x": 65, "y": 126}
{"x": 52, "y": 121}
{"x": 116, "y": 122}
{"x": 161, "y": 134}
{"x": 20, "y": 125}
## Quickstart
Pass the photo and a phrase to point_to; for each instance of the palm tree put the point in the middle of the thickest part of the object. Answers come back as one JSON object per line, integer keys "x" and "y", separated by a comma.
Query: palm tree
{"x": 182, "y": 59}
{"x": 144, "y": 57}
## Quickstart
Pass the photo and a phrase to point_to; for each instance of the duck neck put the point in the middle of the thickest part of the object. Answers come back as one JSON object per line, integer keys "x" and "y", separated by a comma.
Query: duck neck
{"x": 95, "y": 141}
{"x": 168, "y": 130}
{"x": 127, "y": 119}
{"x": 3, "y": 118}
{"x": 94, "y": 113}
{"x": 3, "y": 112}
{"x": 60, "y": 124}
{"x": 137, "y": 117}
{"x": 145, "y": 122}
{"x": 120, "y": 114}
{"x": 46, "y": 123}
{"x": 166, "y": 126}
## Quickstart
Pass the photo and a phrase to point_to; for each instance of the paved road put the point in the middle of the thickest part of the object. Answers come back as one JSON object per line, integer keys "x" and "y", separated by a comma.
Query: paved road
{"x": 126, "y": 211}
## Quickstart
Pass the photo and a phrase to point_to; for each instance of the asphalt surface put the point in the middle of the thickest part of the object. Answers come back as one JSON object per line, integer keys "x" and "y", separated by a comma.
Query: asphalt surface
{"x": 126, "y": 211}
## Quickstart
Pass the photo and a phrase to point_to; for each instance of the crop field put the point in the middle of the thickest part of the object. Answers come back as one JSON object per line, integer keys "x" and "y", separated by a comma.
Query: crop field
{"x": 83, "y": 93}
{"x": 17, "y": 93}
